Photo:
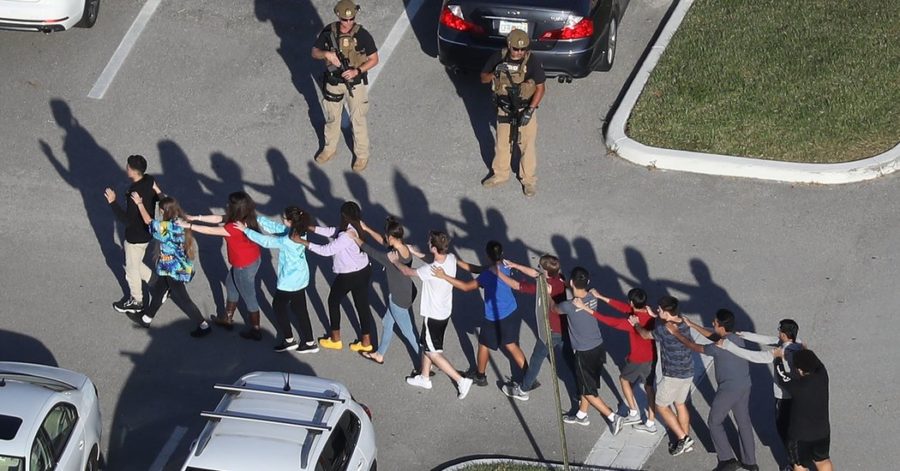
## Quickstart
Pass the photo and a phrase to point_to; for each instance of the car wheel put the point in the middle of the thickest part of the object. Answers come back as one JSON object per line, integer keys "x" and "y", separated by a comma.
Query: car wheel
{"x": 91, "y": 11}
{"x": 93, "y": 463}
{"x": 612, "y": 35}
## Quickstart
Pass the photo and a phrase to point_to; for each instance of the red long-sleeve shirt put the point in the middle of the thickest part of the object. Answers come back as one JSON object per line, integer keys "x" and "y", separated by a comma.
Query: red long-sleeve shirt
{"x": 557, "y": 293}
{"x": 641, "y": 350}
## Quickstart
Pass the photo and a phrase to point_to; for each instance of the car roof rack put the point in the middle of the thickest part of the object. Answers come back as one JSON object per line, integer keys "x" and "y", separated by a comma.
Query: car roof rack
{"x": 314, "y": 427}
{"x": 242, "y": 416}
{"x": 328, "y": 397}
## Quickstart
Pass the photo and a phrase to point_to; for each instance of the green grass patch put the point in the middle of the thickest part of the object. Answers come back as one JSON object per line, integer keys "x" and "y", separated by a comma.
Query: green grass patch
{"x": 506, "y": 467}
{"x": 798, "y": 81}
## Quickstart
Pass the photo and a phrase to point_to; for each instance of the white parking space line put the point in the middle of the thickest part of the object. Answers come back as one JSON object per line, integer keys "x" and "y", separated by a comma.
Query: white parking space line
{"x": 168, "y": 448}
{"x": 394, "y": 36}
{"x": 118, "y": 58}
{"x": 631, "y": 449}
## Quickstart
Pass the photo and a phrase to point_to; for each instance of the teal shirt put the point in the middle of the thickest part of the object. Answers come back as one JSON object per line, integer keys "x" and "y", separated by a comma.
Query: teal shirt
{"x": 293, "y": 271}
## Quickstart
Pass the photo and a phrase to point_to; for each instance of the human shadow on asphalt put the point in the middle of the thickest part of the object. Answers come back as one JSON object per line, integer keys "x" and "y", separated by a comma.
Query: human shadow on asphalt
{"x": 89, "y": 169}
{"x": 297, "y": 24}
{"x": 172, "y": 381}
{"x": 24, "y": 349}
{"x": 180, "y": 180}
{"x": 705, "y": 297}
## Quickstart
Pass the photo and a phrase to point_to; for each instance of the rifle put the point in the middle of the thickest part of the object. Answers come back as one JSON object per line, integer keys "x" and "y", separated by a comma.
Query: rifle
{"x": 345, "y": 66}
{"x": 514, "y": 114}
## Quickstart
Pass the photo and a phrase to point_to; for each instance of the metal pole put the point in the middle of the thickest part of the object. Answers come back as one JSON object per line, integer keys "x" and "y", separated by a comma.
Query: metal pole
{"x": 542, "y": 309}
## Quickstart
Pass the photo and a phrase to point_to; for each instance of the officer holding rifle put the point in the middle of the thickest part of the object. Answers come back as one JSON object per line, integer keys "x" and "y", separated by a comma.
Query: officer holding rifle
{"x": 517, "y": 81}
{"x": 349, "y": 53}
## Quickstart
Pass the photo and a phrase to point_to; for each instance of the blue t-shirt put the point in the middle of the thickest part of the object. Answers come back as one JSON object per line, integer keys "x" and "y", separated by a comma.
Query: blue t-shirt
{"x": 499, "y": 301}
{"x": 677, "y": 360}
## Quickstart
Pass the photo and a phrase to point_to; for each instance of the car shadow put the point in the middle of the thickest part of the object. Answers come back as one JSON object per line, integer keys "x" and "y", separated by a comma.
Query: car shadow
{"x": 172, "y": 381}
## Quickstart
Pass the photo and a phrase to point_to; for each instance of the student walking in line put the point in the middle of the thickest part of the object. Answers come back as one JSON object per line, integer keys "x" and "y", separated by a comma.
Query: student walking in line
{"x": 293, "y": 274}
{"x": 558, "y": 336}
{"x": 353, "y": 274}
{"x": 243, "y": 256}
{"x": 590, "y": 356}
{"x": 174, "y": 268}
{"x": 733, "y": 394}
{"x": 787, "y": 341}
{"x": 810, "y": 427}
{"x": 640, "y": 364}
{"x": 401, "y": 290}
{"x": 137, "y": 234}
{"x": 500, "y": 324}
{"x": 677, "y": 361}
{"x": 436, "y": 307}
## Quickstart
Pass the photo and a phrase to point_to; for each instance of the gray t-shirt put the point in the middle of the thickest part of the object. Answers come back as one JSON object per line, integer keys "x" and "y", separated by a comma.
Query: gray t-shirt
{"x": 732, "y": 371}
{"x": 584, "y": 330}
{"x": 399, "y": 285}
{"x": 676, "y": 360}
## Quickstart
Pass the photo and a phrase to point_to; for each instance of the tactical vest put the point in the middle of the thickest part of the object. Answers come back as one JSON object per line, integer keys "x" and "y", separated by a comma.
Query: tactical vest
{"x": 514, "y": 74}
{"x": 346, "y": 44}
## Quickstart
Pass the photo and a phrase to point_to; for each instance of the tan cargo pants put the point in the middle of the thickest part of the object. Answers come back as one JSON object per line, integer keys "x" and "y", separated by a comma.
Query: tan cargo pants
{"x": 503, "y": 151}
{"x": 358, "y": 106}
{"x": 136, "y": 270}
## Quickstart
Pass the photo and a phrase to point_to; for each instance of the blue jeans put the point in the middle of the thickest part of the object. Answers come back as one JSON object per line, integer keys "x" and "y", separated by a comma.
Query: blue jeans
{"x": 241, "y": 283}
{"x": 540, "y": 354}
{"x": 403, "y": 319}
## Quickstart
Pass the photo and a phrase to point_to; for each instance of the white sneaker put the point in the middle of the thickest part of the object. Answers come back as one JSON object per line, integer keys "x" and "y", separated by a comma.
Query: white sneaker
{"x": 645, "y": 428}
{"x": 464, "y": 385}
{"x": 419, "y": 381}
{"x": 616, "y": 425}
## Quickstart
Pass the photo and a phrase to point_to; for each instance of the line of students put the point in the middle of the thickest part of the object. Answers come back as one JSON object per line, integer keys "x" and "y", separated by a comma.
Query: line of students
{"x": 576, "y": 335}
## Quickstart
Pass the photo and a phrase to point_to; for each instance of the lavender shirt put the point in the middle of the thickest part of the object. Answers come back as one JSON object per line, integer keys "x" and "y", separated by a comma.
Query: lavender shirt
{"x": 347, "y": 258}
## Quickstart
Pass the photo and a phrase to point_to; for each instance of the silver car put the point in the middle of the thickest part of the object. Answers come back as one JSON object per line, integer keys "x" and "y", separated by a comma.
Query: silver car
{"x": 49, "y": 419}
{"x": 275, "y": 421}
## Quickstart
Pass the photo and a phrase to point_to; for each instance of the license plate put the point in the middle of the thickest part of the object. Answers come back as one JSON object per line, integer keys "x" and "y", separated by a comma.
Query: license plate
{"x": 506, "y": 26}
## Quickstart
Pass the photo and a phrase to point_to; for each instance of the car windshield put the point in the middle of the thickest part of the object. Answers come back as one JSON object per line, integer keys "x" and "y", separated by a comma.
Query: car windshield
{"x": 12, "y": 463}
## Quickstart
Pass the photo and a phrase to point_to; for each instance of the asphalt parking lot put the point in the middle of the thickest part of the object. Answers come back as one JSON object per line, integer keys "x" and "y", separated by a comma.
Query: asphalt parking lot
{"x": 222, "y": 96}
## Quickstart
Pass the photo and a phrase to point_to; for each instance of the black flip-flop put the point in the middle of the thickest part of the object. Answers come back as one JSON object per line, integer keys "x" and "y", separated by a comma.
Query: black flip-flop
{"x": 368, "y": 356}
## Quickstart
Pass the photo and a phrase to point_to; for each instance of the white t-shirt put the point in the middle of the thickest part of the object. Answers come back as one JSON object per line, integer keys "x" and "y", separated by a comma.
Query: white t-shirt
{"x": 437, "y": 294}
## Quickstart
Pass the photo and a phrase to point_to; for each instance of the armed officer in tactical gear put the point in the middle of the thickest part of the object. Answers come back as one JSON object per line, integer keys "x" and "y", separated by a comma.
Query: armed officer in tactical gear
{"x": 517, "y": 80}
{"x": 349, "y": 53}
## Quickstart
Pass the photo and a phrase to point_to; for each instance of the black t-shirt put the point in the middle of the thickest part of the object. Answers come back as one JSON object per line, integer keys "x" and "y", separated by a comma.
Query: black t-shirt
{"x": 136, "y": 232}
{"x": 535, "y": 71}
{"x": 365, "y": 44}
{"x": 809, "y": 407}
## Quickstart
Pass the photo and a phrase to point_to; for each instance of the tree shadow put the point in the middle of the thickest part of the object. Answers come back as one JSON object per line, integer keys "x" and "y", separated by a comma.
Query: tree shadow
{"x": 172, "y": 381}
{"x": 89, "y": 169}
{"x": 24, "y": 349}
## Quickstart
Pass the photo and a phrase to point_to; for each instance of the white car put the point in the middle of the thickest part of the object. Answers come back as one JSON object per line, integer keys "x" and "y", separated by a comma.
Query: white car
{"x": 48, "y": 15}
{"x": 281, "y": 421}
{"x": 49, "y": 419}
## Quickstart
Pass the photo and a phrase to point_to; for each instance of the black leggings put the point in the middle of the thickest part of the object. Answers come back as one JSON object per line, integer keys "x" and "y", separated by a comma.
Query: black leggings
{"x": 178, "y": 293}
{"x": 296, "y": 302}
{"x": 356, "y": 283}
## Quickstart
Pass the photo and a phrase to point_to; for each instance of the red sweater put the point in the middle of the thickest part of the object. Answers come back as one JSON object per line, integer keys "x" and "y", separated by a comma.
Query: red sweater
{"x": 242, "y": 252}
{"x": 557, "y": 293}
{"x": 641, "y": 349}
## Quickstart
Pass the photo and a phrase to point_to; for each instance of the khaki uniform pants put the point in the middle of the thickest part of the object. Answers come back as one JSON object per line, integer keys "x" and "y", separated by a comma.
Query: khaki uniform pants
{"x": 503, "y": 151}
{"x": 358, "y": 106}
{"x": 136, "y": 270}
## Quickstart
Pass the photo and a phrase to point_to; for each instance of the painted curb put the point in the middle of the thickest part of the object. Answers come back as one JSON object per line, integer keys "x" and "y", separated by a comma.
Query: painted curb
{"x": 726, "y": 165}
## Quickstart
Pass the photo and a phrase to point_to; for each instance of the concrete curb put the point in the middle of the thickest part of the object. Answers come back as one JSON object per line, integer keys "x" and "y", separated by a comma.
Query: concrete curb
{"x": 464, "y": 465}
{"x": 727, "y": 165}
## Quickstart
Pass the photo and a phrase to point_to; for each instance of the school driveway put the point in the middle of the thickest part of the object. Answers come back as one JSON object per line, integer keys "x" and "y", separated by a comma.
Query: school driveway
{"x": 223, "y": 96}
